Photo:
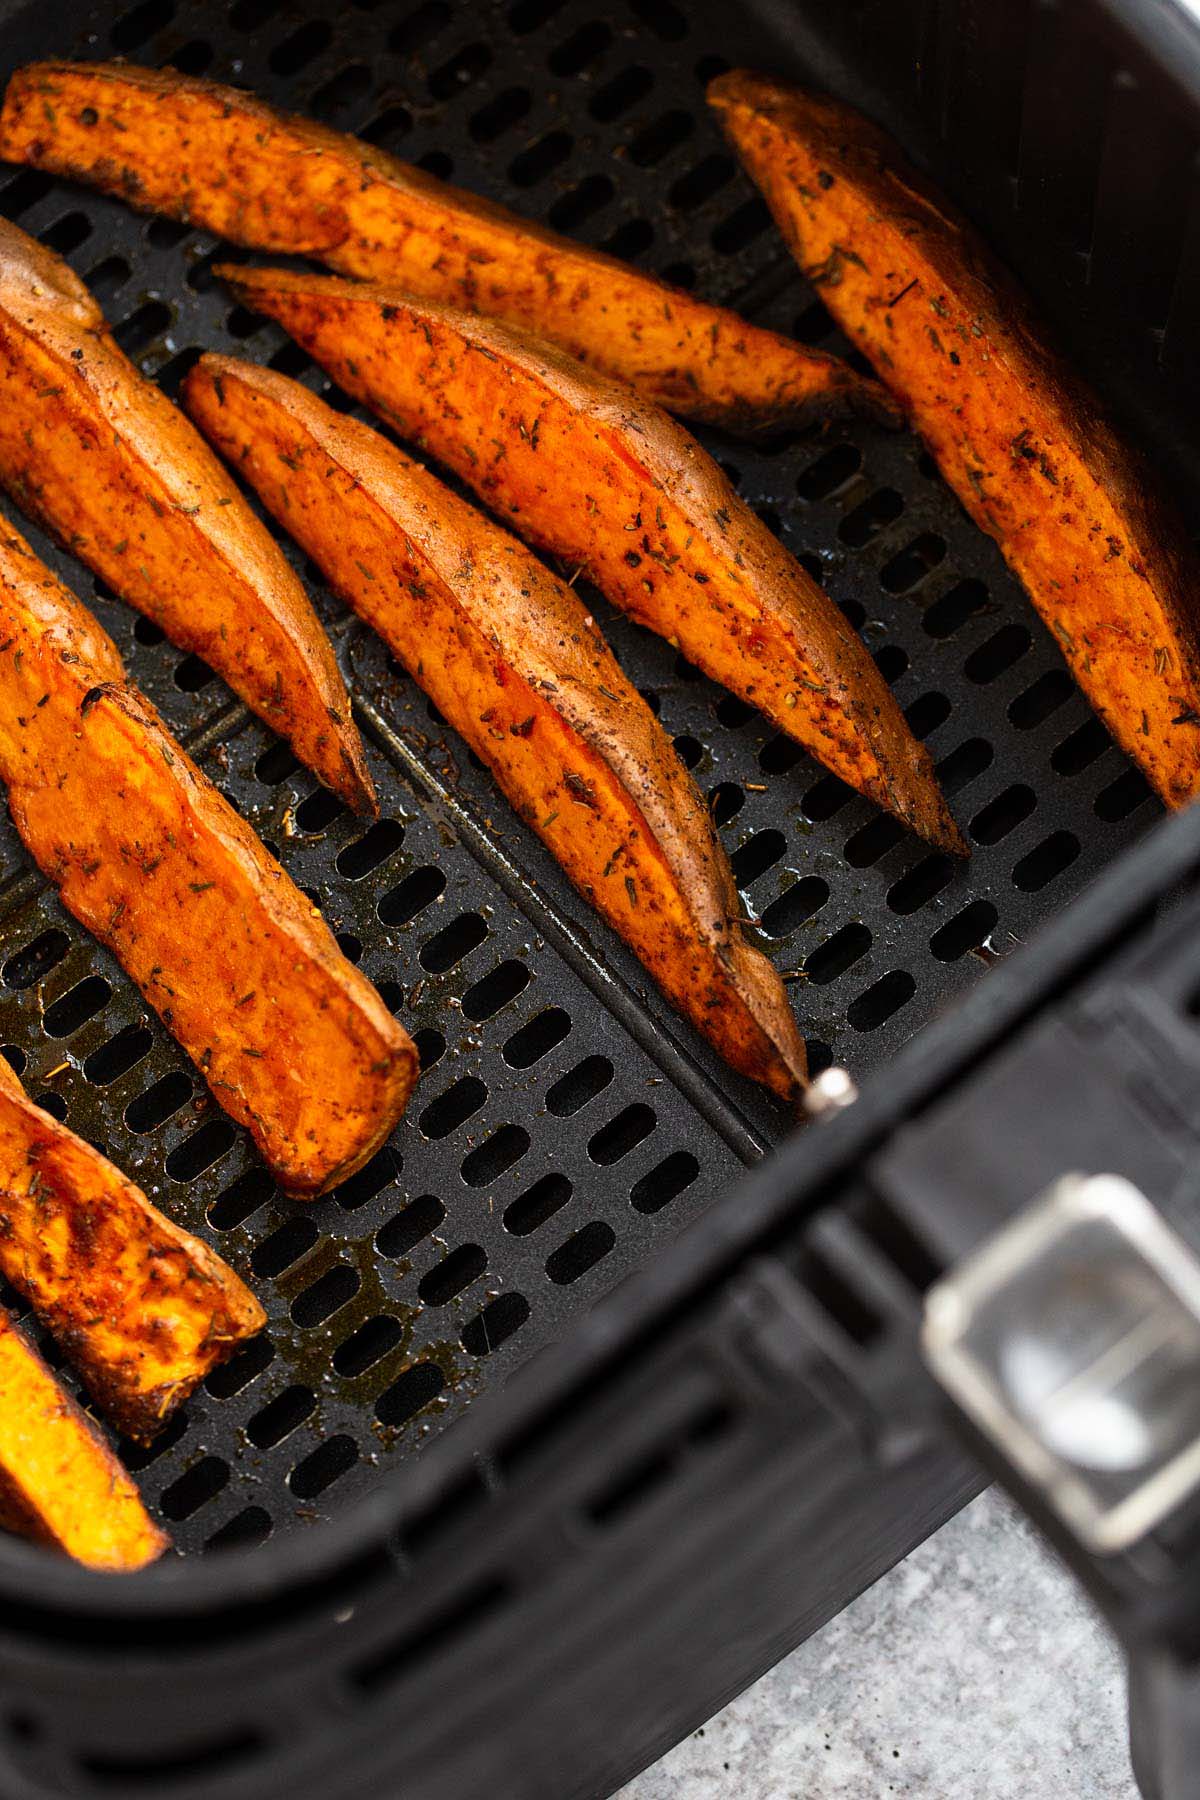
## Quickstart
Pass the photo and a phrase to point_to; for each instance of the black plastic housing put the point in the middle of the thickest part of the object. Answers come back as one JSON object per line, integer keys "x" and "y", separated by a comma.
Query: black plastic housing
{"x": 687, "y": 1478}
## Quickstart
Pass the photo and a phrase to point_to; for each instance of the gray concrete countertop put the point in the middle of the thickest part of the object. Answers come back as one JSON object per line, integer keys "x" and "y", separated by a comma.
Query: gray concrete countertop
{"x": 974, "y": 1671}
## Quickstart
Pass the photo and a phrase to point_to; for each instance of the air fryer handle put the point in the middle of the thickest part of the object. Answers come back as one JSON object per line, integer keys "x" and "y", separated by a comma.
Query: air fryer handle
{"x": 1164, "y": 1725}
{"x": 1068, "y": 1344}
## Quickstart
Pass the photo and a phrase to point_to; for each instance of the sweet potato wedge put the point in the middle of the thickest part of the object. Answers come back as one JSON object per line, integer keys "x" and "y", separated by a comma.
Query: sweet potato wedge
{"x": 99, "y": 455}
{"x": 592, "y": 472}
{"x": 222, "y": 159}
{"x": 143, "y": 1309}
{"x": 60, "y": 1484}
{"x": 1017, "y": 437}
{"x": 513, "y": 662}
{"x": 293, "y": 1041}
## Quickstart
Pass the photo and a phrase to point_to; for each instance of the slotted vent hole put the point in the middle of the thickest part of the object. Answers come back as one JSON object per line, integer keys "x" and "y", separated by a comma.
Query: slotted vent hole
{"x": 205, "y": 1147}
{"x": 340, "y": 95}
{"x": 651, "y": 1192}
{"x": 454, "y": 1273}
{"x": 194, "y": 1489}
{"x": 883, "y": 998}
{"x": 486, "y": 997}
{"x": 253, "y": 1525}
{"x": 454, "y": 942}
{"x": 241, "y": 1200}
{"x": 910, "y": 566}
{"x": 420, "y": 27}
{"x": 371, "y": 1179}
{"x": 1081, "y": 749}
{"x": 67, "y": 233}
{"x": 453, "y": 1107}
{"x": 193, "y": 58}
{"x": 419, "y": 1219}
{"x": 495, "y": 1324}
{"x": 368, "y": 1345}
{"x": 622, "y": 1134}
{"x": 141, "y": 23}
{"x": 794, "y": 906}
{"x": 540, "y": 1203}
{"x": 869, "y": 517}
{"x": 583, "y": 47}
{"x": 1043, "y": 697}
{"x": 967, "y": 930}
{"x": 619, "y": 96}
{"x": 536, "y": 1039}
{"x": 541, "y": 159}
{"x": 409, "y": 1393}
{"x": 324, "y": 1297}
{"x": 77, "y": 1006}
{"x": 657, "y": 140}
{"x": 159, "y": 1102}
{"x": 285, "y": 1246}
{"x": 460, "y": 72}
{"x": 994, "y": 658}
{"x": 367, "y": 852}
{"x": 1122, "y": 797}
{"x": 957, "y": 770}
{"x": 244, "y": 1366}
{"x": 1046, "y": 861}
{"x": 495, "y": 1156}
{"x": 838, "y": 954}
{"x": 281, "y": 1416}
{"x": 28, "y": 966}
{"x": 753, "y": 858}
{"x": 952, "y": 610}
{"x": 833, "y": 471}
{"x": 499, "y": 115}
{"x": 579, "y": 1085}
{"x": 1003, "y": 814}
{"x": 323, "y": 1466}
{"x": 921, "y": 884}
{"x": 581, "y": 1252}
{"x": 298, "y": 50}
{"x": 417, "y": 891}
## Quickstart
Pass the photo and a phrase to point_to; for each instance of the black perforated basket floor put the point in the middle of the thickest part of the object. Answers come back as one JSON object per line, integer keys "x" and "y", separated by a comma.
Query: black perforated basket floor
{"x": 566, "y": 1125}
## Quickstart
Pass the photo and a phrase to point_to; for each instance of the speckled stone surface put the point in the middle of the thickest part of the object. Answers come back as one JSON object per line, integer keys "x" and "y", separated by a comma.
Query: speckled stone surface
{"x": 974, "y": 1671}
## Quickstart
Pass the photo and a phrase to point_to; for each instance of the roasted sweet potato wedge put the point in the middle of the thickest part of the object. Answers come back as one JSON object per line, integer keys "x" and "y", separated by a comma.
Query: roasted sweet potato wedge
{"x": 592, "y": 472}
{"x": 60, "y": 1484}
{"x": 293, "y": 1041}
{"x": 222, "y": 159}
{"x": 1022, "y": 444}
{"x": 143, "y": 1309}
{"x": 99, "y": 455}
{"x": 512, "y": 660}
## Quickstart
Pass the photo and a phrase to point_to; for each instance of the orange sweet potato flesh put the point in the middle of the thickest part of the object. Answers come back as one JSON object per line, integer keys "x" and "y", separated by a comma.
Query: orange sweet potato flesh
{"x": 1017, "y": 437}
{"x": 589, "y": 470}
{"x": 60, "y": 1484}
{"x": 218, "y": 157}
{"x": 101, "y": 457}
{"x": 512, "y": 660}
{"x": 295, "y": 1044}
{"x": 142, "y": 1309}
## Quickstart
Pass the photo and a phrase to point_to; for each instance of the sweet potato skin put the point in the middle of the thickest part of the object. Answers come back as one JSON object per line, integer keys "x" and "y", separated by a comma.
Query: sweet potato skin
{"x": 222, "y": 159}
{"x": 1017, "y": 437}
{"x": 143, "y": 1309}
{"x": 60, "y": 1484}
{"x": 591, "y": 472}
{"x": 514, "y": 663}
{"x": 295, "y": 1044}
{"x": 99, "y": 456}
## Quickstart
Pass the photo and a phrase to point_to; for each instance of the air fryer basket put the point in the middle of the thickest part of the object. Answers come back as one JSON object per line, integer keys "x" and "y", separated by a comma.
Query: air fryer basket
{"x": 567, "y": 1127}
